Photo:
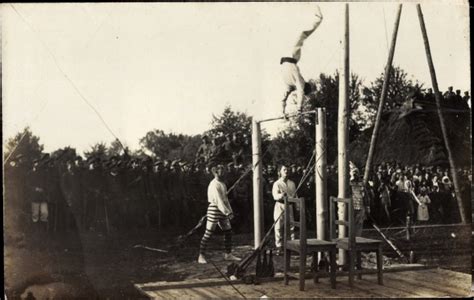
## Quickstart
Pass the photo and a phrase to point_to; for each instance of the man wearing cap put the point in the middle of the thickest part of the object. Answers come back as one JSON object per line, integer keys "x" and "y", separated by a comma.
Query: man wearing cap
{"x": 39, "y": 204}
{"x": 219, "y": 213}
{"x": 202, "y": 154}
{"x": 429, "y": 96}
{"x": 291, "y": 73}
{"x": 449, "y": 94}
{"x": 359, "y": 200}
{"x": 465, "y": 100}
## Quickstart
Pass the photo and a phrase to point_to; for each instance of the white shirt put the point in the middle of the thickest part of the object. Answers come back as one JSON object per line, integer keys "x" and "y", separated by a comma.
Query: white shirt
{"x": 290, "y": 72}
{"x": 280, "y": 188}
{"x": 217, "y": 195}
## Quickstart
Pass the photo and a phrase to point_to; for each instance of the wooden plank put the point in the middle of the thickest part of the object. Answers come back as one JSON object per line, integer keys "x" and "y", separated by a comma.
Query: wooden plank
{"x": 415, "y": 280}
{"x": 457, "y": 275}
{"x": 420, "y": 283}
{"x": 456, "y": 280}
{"x": 322, "y": 289}
{"x": 413, "y": 288}
{"x": 184, "y": 293}
{"x": 206, "y": 293}
{"x": 363, "y": 287}
{"x": 161, "y": 295}
{"x": 225, "y": 292}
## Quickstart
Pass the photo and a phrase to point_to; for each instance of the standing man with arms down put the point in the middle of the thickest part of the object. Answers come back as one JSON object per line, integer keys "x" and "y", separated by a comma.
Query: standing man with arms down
{"x": 282, "y": 188}
{"x": 219, "y": 213}
{"x": 290, "y": 72}
{"x": 360, "y": 200}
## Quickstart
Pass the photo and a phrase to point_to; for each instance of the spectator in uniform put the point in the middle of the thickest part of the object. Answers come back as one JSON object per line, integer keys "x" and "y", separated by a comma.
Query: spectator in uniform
{"x": 39, "y": 203}
{"x": 203, "y": 152}
{"x": 429, "y": 96}
{"x": 465, "y": 100}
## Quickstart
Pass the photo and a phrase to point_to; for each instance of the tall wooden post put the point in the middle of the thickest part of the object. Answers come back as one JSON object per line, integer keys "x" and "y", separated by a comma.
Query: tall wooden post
{"x": 343, "y": 132}
{"x": 383, "y": 96}
{"x": 434, "y": 82}
{"x": 320, "y": 175}
{"x": 257, "y": 183}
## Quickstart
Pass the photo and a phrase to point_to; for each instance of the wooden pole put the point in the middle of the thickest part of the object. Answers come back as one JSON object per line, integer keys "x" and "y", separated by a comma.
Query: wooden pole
{"x": 343, "y": 132}
{"x": 434, "y": 82}
{"x": 383, "y": 96}
{"x": 257, "y": 183}
{"x": 320, "y": 175}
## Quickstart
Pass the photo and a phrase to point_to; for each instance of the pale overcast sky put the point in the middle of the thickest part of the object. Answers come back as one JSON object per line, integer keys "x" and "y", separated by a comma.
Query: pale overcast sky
{"x": 171, "y": 66}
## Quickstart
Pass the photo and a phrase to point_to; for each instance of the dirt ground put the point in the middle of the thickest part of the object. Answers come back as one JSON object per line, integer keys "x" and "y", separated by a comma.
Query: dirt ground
{"x": 93, "y": 264}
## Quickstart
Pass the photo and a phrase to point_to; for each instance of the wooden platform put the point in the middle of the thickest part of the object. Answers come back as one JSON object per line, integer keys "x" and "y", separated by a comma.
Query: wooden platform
{"x": 397, "y": 284}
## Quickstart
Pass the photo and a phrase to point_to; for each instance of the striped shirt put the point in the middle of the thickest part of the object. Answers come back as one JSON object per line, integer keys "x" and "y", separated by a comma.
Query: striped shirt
{"x": 358, "y": 194}
{"x": 217, "y": 196}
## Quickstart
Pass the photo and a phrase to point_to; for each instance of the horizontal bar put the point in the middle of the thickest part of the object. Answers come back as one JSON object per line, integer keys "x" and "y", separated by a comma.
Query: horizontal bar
{"x": 294, "y": 223}
{"x": 289, "y": 116}
{"x": 340, "y": 222}
{"x": 344, "y": 200}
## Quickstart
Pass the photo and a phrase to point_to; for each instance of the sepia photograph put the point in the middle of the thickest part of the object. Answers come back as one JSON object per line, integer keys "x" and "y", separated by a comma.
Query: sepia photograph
{"x": 189, "y": 150}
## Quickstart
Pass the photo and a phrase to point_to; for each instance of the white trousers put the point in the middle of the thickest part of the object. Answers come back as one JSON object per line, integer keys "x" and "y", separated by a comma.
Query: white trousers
{"x": 39, "y": 211}
{"x": 279, "y": 226}
{"x": 309, "y": 25}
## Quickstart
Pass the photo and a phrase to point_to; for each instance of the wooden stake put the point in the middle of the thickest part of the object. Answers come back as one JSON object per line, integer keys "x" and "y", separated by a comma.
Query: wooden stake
{"x": 257, "y": 183}
{"x": 434, "y": 82}
{"x": 343, "y": 132}
{"x": 320, "y": 175}
{"x": 383, "y": 96}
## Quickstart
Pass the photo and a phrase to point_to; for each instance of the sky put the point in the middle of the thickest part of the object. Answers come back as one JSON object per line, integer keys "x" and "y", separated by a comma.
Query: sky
{"x": 171, "y": 66}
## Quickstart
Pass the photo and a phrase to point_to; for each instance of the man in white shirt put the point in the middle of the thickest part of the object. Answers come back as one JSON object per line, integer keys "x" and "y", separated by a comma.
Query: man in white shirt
{"x": 290, "y": 72}
{"x": 219, "y": 213}
{"x": 282, "y": 188}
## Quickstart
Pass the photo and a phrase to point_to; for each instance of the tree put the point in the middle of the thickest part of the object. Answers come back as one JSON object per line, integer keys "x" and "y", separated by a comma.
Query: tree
{"x": 230, "y": 122}
{"x": 117, "y": 148}
{"x": 26, "y": 145}
{"x": 297, "y": 142}
{"x": 98, "y": 150}
{"x": 64, "y": 154}
{"x": 399, "y": 87}
{"x": 169, "y": 145}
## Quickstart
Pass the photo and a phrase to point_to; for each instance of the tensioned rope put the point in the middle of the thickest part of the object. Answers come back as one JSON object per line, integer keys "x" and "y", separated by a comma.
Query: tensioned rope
{"x": 385, "y": 25}
{"x": 68, "y": 78}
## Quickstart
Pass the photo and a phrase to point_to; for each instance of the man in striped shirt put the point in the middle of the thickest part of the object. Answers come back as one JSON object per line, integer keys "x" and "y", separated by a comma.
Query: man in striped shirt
{"x": 219, "y": 213}
{"x": 359, "y": 201}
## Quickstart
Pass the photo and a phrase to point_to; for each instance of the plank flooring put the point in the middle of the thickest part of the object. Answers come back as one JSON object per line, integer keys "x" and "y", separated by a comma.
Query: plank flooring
{"x": 400, "y": 284}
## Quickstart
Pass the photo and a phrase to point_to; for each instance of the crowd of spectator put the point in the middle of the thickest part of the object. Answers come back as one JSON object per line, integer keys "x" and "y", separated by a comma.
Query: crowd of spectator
{"x": 120, "y": 193}
{"x": 450, "y": 99}
{"x": 116, "y": 193}
{"x": 425, "y": 193}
